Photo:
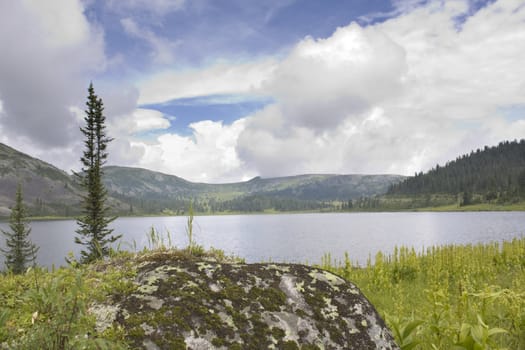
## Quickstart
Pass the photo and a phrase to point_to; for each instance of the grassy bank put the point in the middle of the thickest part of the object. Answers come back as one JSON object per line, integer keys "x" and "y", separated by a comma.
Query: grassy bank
{"x": 471, "y": 297}
{"x": 520, "y": 206}
{"x": 477, "y": 207}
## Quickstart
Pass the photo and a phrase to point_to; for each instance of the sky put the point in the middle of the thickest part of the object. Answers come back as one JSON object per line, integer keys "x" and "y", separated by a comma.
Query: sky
{"x": 225, "y": 90}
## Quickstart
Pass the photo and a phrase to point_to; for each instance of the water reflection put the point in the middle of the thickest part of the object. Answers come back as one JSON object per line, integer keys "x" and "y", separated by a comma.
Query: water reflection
{"x": 294, "y": 238}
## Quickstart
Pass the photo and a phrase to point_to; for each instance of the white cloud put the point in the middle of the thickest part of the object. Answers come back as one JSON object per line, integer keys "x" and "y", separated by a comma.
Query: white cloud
{"x": 140, "y": 120}
{"x": 147, "y": 119}
{"x": 394, "y": 97}
{"x": 54, "y": 19}
{"x": 398, "y": 96}
{"x": 322, "y": 82}
{"x": 208, "y": 155}
{"x": 49, "y": 53}
{"x": 327, "y": 117}
{"x": 220, "y": 78}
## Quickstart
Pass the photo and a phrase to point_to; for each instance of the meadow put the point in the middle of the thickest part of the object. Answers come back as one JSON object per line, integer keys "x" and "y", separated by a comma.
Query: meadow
{"x": 449, "y": 297}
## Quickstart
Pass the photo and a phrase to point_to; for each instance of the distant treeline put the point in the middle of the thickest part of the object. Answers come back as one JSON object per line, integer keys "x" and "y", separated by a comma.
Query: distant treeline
{"x": 489, "y": 175}
{"x": 258, "y": 203}
{"x": 247, "y": 204}
{"x": 493, "y": 174}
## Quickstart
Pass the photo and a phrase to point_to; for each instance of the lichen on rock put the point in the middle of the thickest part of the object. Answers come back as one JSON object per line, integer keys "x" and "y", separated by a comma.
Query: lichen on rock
{"x": 188, "y": 304}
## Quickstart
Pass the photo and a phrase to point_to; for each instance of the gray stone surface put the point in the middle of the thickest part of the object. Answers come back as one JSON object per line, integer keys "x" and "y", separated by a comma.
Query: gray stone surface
{"x": 183, "y": 304}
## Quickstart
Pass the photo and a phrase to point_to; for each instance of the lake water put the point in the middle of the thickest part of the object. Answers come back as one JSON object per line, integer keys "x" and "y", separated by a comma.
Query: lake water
{"x": 302, "y": 238}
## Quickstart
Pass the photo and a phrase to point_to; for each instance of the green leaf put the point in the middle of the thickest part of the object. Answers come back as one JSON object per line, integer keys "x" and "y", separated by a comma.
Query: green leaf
{"x": 477, "y": 333}
{"x": 464, "y": 332}
{"x": 395, "y": 328}
{"x": 4, "y": 314}
{"x": 409, "y": 328}
{"x": 496, "y": 331}
{"x": 410, "y": 345}
{"x": 480, "y": 321}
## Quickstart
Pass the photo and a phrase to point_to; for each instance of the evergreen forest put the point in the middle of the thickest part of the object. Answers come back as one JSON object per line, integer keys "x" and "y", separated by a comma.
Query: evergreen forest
{"x": 489, "y": 175}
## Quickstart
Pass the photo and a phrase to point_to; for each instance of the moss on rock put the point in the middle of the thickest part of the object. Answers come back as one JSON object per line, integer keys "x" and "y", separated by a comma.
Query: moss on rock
{"x": 184, "y": 303}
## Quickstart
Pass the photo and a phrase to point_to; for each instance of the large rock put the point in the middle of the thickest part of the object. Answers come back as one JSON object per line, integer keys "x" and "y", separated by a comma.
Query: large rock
{"x": 189, "y": 304}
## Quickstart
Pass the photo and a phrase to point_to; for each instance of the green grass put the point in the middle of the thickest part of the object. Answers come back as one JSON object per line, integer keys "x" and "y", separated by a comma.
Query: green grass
{"x": 450, "y": 297}
{"x": 478, "y": 207}
{"x": 400, "y": 204}
{"x": 50, "y": 310}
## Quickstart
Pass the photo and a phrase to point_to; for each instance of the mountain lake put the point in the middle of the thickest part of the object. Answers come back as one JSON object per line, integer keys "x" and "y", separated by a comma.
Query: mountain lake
{"x": 292, "y": 238}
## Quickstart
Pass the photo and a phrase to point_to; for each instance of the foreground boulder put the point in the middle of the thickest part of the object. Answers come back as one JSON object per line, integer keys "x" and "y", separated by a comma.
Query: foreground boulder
{"x": 185, "y": 304}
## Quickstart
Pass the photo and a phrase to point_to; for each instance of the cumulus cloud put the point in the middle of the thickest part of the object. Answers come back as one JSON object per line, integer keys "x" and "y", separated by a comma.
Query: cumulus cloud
{"x": 395, "y": 97}
{"x": 326, "y": 117}
{"x": 148, "y": 119}
{"x": 461, "y": 76}
{"x": 47, "y": 52}
{"x": 368, "y": 143}
{"x": 142, "y": 138}
{"x": 125, "y": 124}
{"x": 141, "y": 120}
{"x": 208, "y": 155}
{"x": 322, "y": 82}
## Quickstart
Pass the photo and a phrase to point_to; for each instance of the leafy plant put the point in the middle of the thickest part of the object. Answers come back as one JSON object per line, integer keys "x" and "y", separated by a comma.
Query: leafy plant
{"x": 405, "y": 332}
{"x": 4, "y": 315}
{"x": 467, "y": 295}
{"x": 477, "y": 336}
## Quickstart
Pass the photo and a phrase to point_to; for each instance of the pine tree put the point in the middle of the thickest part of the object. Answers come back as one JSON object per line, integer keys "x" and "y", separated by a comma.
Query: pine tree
{"x": 93, "y": 231}
{"x": 19, "y": 251}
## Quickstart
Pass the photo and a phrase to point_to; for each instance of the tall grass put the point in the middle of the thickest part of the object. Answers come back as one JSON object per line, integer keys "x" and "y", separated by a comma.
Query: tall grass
{"x": 448, "y": 297}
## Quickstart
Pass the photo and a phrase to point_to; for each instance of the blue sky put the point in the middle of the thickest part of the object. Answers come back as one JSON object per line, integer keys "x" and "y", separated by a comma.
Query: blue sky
{"x": 206, "y": 32}
{"x": 221, "y": 91}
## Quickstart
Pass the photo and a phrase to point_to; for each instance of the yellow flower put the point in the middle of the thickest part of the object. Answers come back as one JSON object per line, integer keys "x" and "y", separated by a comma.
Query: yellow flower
{"x": 34, "y": 317}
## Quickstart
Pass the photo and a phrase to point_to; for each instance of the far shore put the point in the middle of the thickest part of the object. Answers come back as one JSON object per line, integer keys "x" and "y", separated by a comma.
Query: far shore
{"x": 445, "y": 208}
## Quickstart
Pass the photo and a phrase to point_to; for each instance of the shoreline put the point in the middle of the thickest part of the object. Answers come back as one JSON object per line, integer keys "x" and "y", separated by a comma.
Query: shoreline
{"x": 485, "y": 207}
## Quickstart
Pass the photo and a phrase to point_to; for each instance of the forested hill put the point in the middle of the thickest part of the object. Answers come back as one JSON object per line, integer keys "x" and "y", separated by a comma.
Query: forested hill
{"x": 48, "y": 190}
{"x": 147, "y": 191}
{"x": 493, "y": 172}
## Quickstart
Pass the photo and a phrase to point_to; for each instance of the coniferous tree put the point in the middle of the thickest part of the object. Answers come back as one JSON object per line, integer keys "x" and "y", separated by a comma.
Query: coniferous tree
{"x": 491, "y": 172}
{"x": 93, "y": 231}
{"x": 19, "y": 251}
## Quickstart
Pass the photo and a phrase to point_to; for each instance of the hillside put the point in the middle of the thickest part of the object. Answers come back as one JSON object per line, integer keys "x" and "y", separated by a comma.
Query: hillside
{"x": 148, "y": 192}
{"x": 50, "y": 191}
{"x": 46, "y": 189}
{"x": 493, "y": 174}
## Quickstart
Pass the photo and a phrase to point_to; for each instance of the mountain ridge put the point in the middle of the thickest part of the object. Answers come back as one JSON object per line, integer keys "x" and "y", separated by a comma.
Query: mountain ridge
{"x": 49, "y": 190}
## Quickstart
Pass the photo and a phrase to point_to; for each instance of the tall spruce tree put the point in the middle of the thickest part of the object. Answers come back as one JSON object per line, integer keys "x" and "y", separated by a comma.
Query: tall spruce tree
{"x": 19, "y": 251}
{"x": 93, "y": 231}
